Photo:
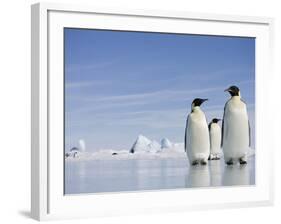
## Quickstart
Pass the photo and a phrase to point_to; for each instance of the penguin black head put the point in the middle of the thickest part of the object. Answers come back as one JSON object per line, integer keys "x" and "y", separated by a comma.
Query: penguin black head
{"x": 233, "y": 91}
{"x": 216, "y": 120}
{"x": 198, "y": 102}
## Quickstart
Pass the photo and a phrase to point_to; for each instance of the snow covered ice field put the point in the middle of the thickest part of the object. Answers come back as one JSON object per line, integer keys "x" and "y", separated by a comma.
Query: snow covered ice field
{"x": 132, "y": 172}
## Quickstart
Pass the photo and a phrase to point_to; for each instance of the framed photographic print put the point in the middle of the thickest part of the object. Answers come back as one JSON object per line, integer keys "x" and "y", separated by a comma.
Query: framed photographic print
{"x": 148, "y": 111}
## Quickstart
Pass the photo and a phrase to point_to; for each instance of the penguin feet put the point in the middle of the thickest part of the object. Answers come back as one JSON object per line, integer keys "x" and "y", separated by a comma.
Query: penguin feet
{"x": 203, "y": 162}
{"x": 195, "y": 162}
{"x": 242, "y": 161}
{"x": 214, "y": 157}
{"x": 229, "y": 162}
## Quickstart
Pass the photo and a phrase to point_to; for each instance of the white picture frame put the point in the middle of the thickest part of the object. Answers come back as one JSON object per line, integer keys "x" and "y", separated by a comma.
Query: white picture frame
{"x": 48, "y": 201}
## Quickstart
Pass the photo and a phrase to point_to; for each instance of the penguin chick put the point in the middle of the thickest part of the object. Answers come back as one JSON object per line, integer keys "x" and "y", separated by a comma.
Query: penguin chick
{"x": 215, "y": 139}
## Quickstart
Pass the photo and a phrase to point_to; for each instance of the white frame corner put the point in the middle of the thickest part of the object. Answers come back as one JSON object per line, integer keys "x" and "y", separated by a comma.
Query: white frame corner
{"x": 41, "y": 195}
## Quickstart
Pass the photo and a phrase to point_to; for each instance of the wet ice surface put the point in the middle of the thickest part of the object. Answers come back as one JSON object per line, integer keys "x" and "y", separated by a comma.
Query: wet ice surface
{"x": 96, "y": 176}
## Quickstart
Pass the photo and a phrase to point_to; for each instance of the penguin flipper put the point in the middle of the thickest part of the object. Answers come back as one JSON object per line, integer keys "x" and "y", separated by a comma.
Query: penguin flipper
{"x": 185, "y": 140}
{"x": 249, "y": 127}
{"x": 222, "y": 131}
{"x": 249, "y": 133}
{"x": 222, "y": 125}
{"x": 222, "y": 128}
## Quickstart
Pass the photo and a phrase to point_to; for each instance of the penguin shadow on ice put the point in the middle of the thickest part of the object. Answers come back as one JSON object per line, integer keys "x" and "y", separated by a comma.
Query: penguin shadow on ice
{"x": 198, "y": 176}
{"x": 197, "y": 142}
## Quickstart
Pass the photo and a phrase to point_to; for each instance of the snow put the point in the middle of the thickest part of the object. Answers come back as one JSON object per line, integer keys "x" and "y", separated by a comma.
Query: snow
{"x": 154, "y": 146}
{"x": 109, "y": 154}
{"x": 144, "y": 144}
{"x": 141, "y": 144}
{"x": 166, "y": 144}
{"x": 143, "y": 148}
{"x": 179, "y": 147}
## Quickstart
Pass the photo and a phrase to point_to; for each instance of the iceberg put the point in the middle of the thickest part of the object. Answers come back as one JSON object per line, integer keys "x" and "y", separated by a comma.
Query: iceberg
{"x": 74, "y": 152}
{"x": 143, "y": 148}
{"x": 141, "y": 144}
{"x": 166, "y": 144}
{"x": 154, "y": 147}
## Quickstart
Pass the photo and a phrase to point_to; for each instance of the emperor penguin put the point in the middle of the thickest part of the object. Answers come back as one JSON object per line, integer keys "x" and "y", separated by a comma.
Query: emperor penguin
{"x": 236, "y": 132}
{"x": 197, "y": 142}
{"x": 215, "y": 139}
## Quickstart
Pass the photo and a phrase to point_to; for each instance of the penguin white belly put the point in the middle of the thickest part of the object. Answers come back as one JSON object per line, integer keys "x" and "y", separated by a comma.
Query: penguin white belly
{"x": 215, "y": 139}
{"x": 236, "y": 131}
{"x": 198, "y": 144}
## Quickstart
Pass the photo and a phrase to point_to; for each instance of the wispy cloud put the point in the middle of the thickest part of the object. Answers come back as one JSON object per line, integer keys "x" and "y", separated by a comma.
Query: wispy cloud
{"x": 215, "y": 75}
{"x": 109, "y": 102}
{"x": 169, "y": 118}
{"x": 156, "y": 95}
{"x": 84, "y": 84}
{"x": 90, "y": 65}
{"x": 147, "y": 118}
{"x": 97, "y": 103}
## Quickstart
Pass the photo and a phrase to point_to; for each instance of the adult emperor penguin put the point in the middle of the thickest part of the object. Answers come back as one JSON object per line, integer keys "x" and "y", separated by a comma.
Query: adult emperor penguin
{"x": 215, "y": 139}
{"x": 197, "y": 142}
{"x": 236, "y": 137}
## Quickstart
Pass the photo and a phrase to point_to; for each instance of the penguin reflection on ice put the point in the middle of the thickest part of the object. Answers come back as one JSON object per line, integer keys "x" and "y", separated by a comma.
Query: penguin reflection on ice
{"x": 235, "y": 128}
{"x": 215, "y": 139}
{"x": 198, "y": 176}
{"x": 216, "y": 173}
{"x": 197, "y": 142}
{"x": 236, "y": 175}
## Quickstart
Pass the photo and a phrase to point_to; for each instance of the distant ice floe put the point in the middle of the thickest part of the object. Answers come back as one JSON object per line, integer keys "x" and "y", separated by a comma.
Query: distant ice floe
{"x": 143, "y": 144}
{"x": 74, "y": 152}
{"x": 142, "y": 148}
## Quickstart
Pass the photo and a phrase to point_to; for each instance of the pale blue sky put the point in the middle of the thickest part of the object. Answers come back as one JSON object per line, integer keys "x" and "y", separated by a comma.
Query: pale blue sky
{"x": 122, "y": 84}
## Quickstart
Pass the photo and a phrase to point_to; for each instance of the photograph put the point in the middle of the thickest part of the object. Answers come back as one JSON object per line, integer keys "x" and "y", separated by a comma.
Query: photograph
{"x": 147, "y": 111}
